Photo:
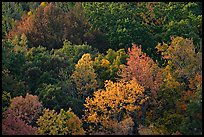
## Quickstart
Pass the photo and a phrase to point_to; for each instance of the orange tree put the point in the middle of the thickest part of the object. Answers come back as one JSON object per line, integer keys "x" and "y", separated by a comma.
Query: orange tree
{"x": 142, "y": 69}
{"x": 113, "y": 104}
{"x": 49, "y": 26}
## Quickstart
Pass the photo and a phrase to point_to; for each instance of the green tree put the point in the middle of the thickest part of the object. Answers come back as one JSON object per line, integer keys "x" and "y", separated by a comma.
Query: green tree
{"x": 6, "y": 99}
{"x": 120, "y": 28}
{"x": 42, "y": 67}
{"x": 108, "y": 65}
{"x": 65, "y": 6}
{"x": 71, "y": 53}
{"x": 145, "y": 23}
{"x": 12, "y": 66}
{"x": 52, "y": 96}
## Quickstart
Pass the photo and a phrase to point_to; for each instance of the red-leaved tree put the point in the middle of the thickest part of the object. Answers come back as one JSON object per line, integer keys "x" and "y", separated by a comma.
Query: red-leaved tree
{"x": 12, "y": 125}
{"x": 50, "y": 26}
{"x": 26, "y": 109}
{"x": 142, "y": 69}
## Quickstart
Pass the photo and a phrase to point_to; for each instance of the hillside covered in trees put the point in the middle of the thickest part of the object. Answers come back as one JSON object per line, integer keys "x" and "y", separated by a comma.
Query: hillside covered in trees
{"x": 101, "y": 68}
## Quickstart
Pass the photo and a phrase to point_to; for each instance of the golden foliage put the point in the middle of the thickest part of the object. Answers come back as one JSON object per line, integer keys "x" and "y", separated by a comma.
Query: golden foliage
{"x": 107, "y": 106}
{"x": 84, "y": 75}
{"x": 44, "y": 4}
{"x": 104, "y": 63}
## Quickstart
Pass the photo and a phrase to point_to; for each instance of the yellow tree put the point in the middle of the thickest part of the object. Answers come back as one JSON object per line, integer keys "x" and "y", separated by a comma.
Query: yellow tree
{"x": 113, "y": 104}
{"x": 84, "y": 76}
{"x": 64, "y": 123}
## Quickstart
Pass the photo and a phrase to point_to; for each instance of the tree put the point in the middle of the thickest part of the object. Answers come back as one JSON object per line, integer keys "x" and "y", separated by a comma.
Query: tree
{"x": 12, "y": 12}
{"x": 42, "y": 67}
{"x": 145, "y": 23}
{"x": 65, "y": 6}
{"x": 143, "y": 70}
{"x": 20, "y": 117}
{"x": 49, "y": 26}
{"x": 84, "y": 76}
{"x": 113, "y": 104}
{"x": 71, "y": 53}
{"x": 181, "y": 57}
{"x": 193, "y": 119}
{"x": 63, "y": 123}
{"x": 182, "y": 82}
{"x": 108, "y": 65}
{"x": 12, "y": 66}
{"x": 6, "y": 98}
{"x": 120, "y": 28}
{"x": 52, "y": 96}
{"x": 12, "y": 125}
{"x": 26, "y": 109}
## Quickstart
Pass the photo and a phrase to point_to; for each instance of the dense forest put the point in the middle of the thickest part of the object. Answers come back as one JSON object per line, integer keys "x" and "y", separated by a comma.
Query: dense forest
{"x": 101, "y": 68}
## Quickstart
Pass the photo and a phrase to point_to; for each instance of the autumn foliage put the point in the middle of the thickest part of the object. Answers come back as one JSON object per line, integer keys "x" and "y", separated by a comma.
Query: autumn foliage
{"x": 27, "y": 109}
{"x": 70, "y": 69}
{"x": 84, "y": 76}
{"x": 21, "y": 116}
{"x": 49, "y": 26}
{"x": 142, "y": 69}
{"x": 63, "y": 123}
{"x": 116, "y": 102}
{"x": 12, "y": 125}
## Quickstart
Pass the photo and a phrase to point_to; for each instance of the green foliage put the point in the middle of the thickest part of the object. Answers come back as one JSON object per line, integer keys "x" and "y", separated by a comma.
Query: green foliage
{"x": 13, "y": 11}
{"x": 63, "y": 123}
{"x": 12, "y": 60}
{"x": 120, "y": 28}
{"x": 65, "y": 6}
{"x": 192, "y": 124}
{"x": 12, "y": 84}
{"x": 108, "y": 65}
{"x": 184, "y": 19}
{"x": 71, "y": 53}
{"x": 52, "y": 96}
{"x": 42, "y": 67}
{"x": 145, "y": 23}
{"x": 12, "y": 63}
{"x": 6, "y": 98}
